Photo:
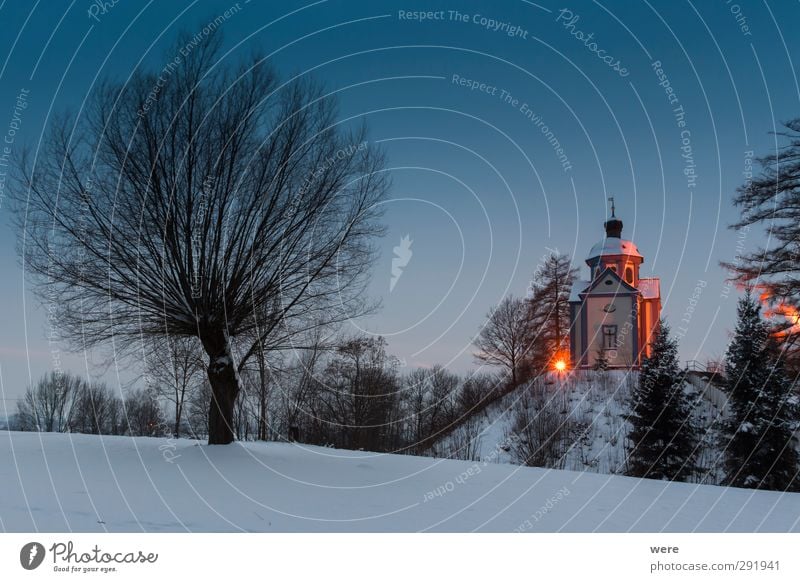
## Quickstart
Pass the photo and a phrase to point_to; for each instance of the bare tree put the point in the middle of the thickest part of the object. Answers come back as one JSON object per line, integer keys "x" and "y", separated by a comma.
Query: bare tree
{"x": 115, "y": 421}
{"x": 299, "y": 386}
{"x": 541, "y": 433}
{"x": 476, "y": 391}
{"x": 465, "y": 441}
{"x": 443, "y": 386}
{"x": 360, "y": 392}
{"x": 262, "y": 386}
{"x": 416, "y": 395}
{"x": 96, "y": 411}
{"x": 198, "y": 404}
{"x": 48, "y": 406}
{"x": 771, "y": 200}
{"x": 64, "y": 402}
{"x": 210, "y": 202}
{"x": 175, "y": 369}
{"x": 505, "y": 338}
{"x": 260, "y": 379}
{"x": 428, "y": 404}
{"x": 143, "y": 415}
{"x": 244, "y": 414}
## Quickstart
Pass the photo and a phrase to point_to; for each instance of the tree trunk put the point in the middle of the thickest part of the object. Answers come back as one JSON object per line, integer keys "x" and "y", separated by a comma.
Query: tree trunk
{"x": 262, "y": 396}
{"x": 178, "y": 413}
{"x": 262, "y": 415}
{"x": 224, "y": 390}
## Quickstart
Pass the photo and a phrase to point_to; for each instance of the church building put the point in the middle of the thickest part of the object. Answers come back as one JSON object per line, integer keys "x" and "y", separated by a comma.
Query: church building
{"x": 614, "y": 313}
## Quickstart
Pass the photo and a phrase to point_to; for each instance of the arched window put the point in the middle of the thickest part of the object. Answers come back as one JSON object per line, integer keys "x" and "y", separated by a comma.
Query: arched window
{"x": 629, "y": 275}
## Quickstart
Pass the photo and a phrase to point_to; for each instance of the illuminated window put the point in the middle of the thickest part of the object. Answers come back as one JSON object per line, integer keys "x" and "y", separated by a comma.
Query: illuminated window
{"x": 629, "y": 275}
{"x": 609, "y": 337}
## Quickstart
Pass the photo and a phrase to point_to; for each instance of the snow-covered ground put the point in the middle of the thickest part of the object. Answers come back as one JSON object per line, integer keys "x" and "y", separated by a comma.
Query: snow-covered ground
{"x": 594, "y": 406}
{"x": 63, "y": 482}
{"x": 596, "y": 401}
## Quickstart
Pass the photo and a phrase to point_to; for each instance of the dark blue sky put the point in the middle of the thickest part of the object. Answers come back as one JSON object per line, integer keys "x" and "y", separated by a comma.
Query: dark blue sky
{"x": 478, "y": 184}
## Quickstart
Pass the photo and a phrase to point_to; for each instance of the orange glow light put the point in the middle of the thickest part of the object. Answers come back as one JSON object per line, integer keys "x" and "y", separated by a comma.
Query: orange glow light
{"x": 561, "y": 365}
{"x": 781, "y": 309}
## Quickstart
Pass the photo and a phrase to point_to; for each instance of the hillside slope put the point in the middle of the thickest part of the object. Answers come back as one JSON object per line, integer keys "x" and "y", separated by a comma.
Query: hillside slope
{"x": 62, "y": 482}
{"x": 591, "y": 408}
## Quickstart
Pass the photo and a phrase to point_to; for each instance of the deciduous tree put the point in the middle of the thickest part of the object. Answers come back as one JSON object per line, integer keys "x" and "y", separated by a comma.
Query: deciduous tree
{"x": 505, "y": 337}
{"x": 219, "y": 203}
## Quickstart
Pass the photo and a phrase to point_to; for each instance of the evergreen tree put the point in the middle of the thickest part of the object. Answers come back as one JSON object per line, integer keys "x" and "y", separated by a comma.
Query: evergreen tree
{"x": 548, "y": 310}
{"x": 663, "y": 437}
{"x": 759, "y": 450}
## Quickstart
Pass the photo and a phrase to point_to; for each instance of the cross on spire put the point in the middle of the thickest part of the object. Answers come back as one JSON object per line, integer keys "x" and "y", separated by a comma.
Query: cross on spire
{"x": 613, "y": 224}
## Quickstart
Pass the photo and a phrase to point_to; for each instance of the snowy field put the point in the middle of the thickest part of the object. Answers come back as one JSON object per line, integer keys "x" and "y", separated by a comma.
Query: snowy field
{"x": 61, "y": 482}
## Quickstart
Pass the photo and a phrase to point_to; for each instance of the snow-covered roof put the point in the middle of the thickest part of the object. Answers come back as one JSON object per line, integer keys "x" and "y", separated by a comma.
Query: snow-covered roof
{"x": 578, "y": 287}
{"x": 614, "y": 246}
{"x": 650, "y": 288}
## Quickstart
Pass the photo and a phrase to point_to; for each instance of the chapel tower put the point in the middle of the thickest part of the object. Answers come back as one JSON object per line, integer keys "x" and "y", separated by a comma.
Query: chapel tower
{"x": 615, "y": 311}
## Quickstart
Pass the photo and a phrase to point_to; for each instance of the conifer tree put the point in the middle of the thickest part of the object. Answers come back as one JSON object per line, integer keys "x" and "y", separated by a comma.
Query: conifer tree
{"x": 759, "y": 452}
{"x": 663, "y": 437}
{"x": 548, "y": 310}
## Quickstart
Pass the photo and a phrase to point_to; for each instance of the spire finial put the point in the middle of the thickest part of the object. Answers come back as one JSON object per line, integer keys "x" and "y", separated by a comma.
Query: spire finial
{"x": 613, "y": 224}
